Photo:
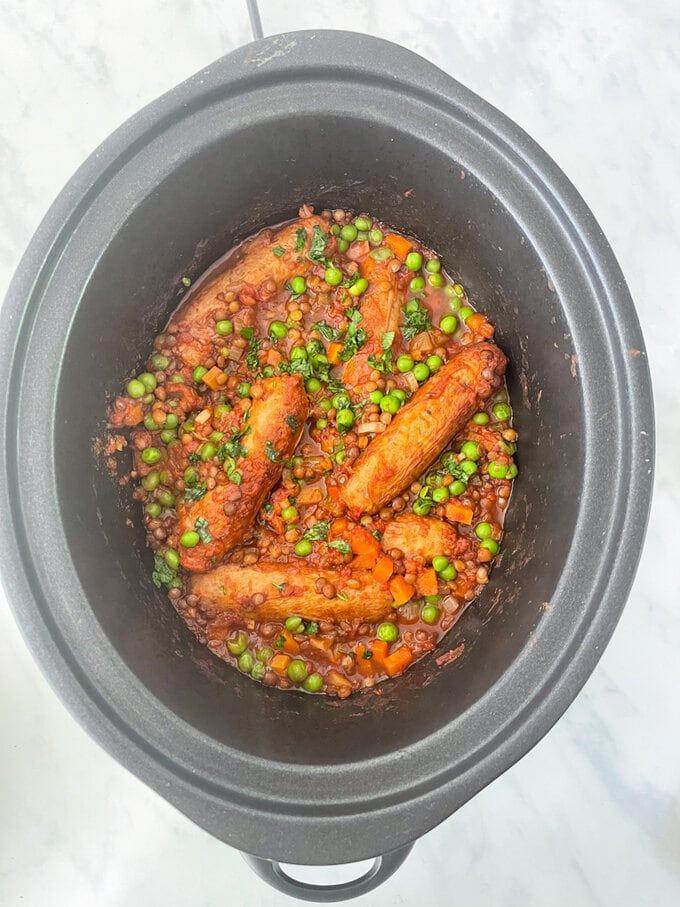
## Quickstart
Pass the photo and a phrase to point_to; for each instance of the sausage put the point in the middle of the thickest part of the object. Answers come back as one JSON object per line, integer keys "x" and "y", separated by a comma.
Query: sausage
{"x": 194, "y": 322}
{"x": 423, "y": 427}
{"x": 380, "y": 310}
{"x": 290, "y": 589}
{"x": 420, "y": 536}
{"x": 275, "y": 424}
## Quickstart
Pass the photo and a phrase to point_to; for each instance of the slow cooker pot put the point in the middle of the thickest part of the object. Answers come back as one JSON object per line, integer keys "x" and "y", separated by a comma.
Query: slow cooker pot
{"x": 334, "y": 119}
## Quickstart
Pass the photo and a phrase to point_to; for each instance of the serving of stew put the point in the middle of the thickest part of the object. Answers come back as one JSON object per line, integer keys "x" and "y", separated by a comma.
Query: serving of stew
{"x": 323, "y": 447}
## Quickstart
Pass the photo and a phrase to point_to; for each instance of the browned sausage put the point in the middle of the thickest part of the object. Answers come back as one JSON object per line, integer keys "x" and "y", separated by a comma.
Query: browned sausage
{"x": 275, "y": 424}
{"x": 269, "y": 591}
{"x": 255, "y": 262}
{"x": 419, "y": 536}
{"x": 423, "y": 427}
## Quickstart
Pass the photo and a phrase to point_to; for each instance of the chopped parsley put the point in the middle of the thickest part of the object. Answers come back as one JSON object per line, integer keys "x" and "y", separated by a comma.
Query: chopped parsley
{"x": 327, "y": 331}
{"x": 162, "y": 572}
{"x": 355, "y": 337}
{"x": 350, "y": 280}
{"x": 312, "y": 627}
{"x": 195, "y": 492}
{"x": 300, "y": 239}
{"x": 253, "y": 359}
{"x": 280, "y": 642}
{"x": 268, "y": 507}
{"x": 223, "y": 590}
{"x": 272, "y": 452}
{"x": 416, "y": 321}
{"x": 232, "y": 448}
{"x": 318, "y": 246}
{"x": 383, "y": 361}
{"x": 247, "y": 333}
{"x": 194, "y": 457}
{"x": 343, "y": 596}
{"x": 292, "y": 423}
{"x": 201, "y": 527}
{"x": 279, "y": 586}
{"x": 367, "y": 653}
{"x": 376, "y": 535}
{"x": 341, "y": 545}
{"x": 318, "y": 532}
{"x": 279, "y": 251}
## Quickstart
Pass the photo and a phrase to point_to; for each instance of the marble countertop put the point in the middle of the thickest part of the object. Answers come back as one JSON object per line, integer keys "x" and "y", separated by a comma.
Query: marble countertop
{"x": 592, "y": 815}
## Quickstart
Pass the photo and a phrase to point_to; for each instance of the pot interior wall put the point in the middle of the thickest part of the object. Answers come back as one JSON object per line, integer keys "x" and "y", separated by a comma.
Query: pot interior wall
{"x": 229, "y": 189}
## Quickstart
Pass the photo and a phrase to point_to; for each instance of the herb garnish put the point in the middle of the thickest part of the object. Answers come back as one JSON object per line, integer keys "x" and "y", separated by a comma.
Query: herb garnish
{"x": 416, "y": 321}
{"x": 318, "y": 246}
{"x": 300, "y": 239}
{"x": 201, "y": 527}
{"x": 279, "y": 251}
{"x": 272, "y": 452}
{"x": 162, "y": 572}
{"x": 292, "y": 423}
{"x": 355, "y": 337}
{"x": 327, "y": 331}
{"x": 383, "y": 362}
{"x": 195, "y": 492}
{"x": 318, "y": 532}
{"x": 341, "y": 545}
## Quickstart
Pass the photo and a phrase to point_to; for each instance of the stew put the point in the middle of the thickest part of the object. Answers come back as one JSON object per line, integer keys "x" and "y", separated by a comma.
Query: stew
{"x": 323, "y": 446}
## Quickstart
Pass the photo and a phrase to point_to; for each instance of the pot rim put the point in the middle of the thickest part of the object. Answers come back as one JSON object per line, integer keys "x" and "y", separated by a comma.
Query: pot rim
{"x": 538, "y": 699}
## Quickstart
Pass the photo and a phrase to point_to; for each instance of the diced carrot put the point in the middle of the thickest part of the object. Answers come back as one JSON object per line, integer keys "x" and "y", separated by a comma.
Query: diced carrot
{"x": 458, "y": 513}
{"x": 279, "y": 664}
{"x": 333, "y": 492}
{"x": 338, "y": 526}
{"x": 401, "y": 590}
{"x": 426, "y": 584}
{"x": 367, "y": 267}
{"x": 363, "y": 562}
{"x": 398, "y": 661}
{"x": 364, "y": 665}
{"x": 334, "y": 350}
{"x": 364, "y": 542}
{"x": 215, "y": 378}
{"x": 475, "y": 321}
{"x": 290, "y": 645}
{"x": 310, "y": 496}
{"x": 380, "y": 648}
{"x": 273, "y": 357}
{"x": 337, "y": 679}
{"x": 383, "y": 570}
{"x": 399, "y": 245}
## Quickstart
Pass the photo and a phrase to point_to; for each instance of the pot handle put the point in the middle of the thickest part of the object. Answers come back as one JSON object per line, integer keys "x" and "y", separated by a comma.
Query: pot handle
{"x": 273, "y": 873}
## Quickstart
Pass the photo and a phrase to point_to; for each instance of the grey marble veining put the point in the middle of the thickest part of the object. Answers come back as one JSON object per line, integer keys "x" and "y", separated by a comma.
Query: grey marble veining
{"x": 592, "y": 815}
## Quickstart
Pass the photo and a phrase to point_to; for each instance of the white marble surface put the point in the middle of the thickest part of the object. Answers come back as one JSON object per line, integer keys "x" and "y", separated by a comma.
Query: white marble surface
{"x": 592, "y": 815}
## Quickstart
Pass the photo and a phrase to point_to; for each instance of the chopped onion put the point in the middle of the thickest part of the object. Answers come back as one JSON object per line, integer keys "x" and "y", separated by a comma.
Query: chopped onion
{"x": 411, "y": 381}
{"x": 234, "y": 353}
{"x": 367, "y": 427}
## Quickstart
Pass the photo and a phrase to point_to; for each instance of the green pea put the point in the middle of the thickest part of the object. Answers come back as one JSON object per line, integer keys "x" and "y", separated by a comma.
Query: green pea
{"x": 312, "y": 385}
{"x": 303, "y": 548}
{"x": 159, "y": 361}
{"x": 298, "y": 353}
{"x": 359, "y": 287}
{"x": 246, "y": 662}
{"x": 167, "y": 435}
{"x": 433, "y": 599}
{"x": 483, "y": 530}
{"x": 148, "y": 380}
{"x": 238, "y": 643}
{"x": 151, "y": 455}
{"x": 190, "y": 475}
{"x": 417, "y": 284}
{"x": 345, "y": 418}
{"x": 480, "y": 418}
{"x": 315, "y": 347}
{"x": 421, "y": 372}
{"x": 469, "y": 467}
{"x": 198, "y": 373}
{"x": 340, "y": 400}
{"x": 440, "y": 495}
{"x": 436, "y": 280}
{"x": 388, "y": 632}
{"x": 399, "y": 394}
{"x": 434, "y": 363}
{"x": 175, "y": 583}
{"x": 405, "y": 363}
{"x": 150, "y": 481}
{"x": 150, "y": 424}
{"x": 177, "y": 378}
{"x": 512, "y": 471}
{"x": 267, "y": 371}
{"x": 363, "y": 223}
{"x": 440, "y": 563}
{"x": 243, "y": 389}
{"x": 376, "y": 236}
{"x": 164, "y": 476}
{"x": 320, "y": 424}
{"x": 497, "y": 470}
{"x": 325, "y": 404}
{"x": 342, "y": 245}
{"x": 153, "y": 509}
{"x": 265, "y": 654}
{"x": 448, "y": 459}
{"x": 340, "y": 457}
{"x": 135, "y": 389}
{"x": 278, "y": 329}
{"x": 412, "y": 306}
{"x": 224, "y": 328}
{"x": 313, "y": 683}
{"x": 298, "y": 285}
{"x": 171, "y": 421}
{"x": 362, "y": 235}
{"x": 297, "y": 670}
{"x": 390, "y": 404}
{"x": 449, "y": 573}
{"x": 449, "y": 324}
{"x": 375, "y": 396}
{"x": 167, "y": 498}
{"x": 208, "y": 451}
{"x": 465, "y": 313}
{"x": 507, "y": 447}
{"x": 172, "y": 558}
{"x": 454, "y": 303}
{"x": 491, "y": 545}
{"x": 434, "y": 266}
{"x": 349, "y": 232}
{"x": 502, "y": 412}
{"x": 333, "y": 276}
{"x": 421, "y": 507}
{"x": 289, "y": 514}
{"x": 471, "y": 450}
{"x": 430, "y": 614}
{"x": 258, "y": 671}
{"x": 414, "y": 261}
{"x": 294, "y": 624}
{"x": 458, "y": 289}
{"x": 335, "y": 230}
{"x": 381, "y": 254}
{"x": 215, "y": 436}
{"x": 190, "y": 539}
